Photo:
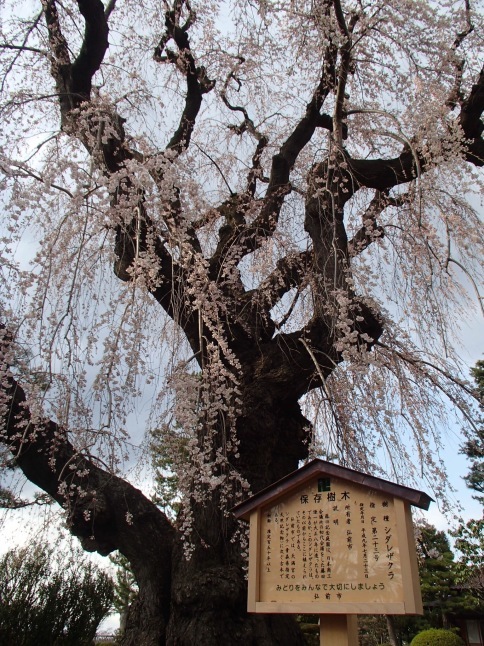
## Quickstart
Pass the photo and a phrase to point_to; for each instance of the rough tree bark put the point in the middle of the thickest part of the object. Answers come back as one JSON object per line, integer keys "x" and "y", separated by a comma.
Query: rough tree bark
{"x": 202, "y": 600}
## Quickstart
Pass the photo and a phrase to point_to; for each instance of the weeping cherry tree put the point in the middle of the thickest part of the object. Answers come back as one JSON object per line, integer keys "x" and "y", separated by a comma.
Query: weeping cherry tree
{"x": 250, "y": 230}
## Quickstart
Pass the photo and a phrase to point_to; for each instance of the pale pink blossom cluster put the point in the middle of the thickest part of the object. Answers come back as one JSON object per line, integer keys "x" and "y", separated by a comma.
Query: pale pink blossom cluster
{"x": 206, "y": 247}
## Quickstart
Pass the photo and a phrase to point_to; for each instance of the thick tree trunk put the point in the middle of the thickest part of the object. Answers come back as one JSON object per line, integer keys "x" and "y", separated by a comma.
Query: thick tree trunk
{"x": 209, "y": 591}
{"x": 209, "y": 601}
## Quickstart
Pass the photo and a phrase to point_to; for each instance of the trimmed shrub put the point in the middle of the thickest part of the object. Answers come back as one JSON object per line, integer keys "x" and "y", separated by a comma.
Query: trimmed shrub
{"x": 437, "y": 637}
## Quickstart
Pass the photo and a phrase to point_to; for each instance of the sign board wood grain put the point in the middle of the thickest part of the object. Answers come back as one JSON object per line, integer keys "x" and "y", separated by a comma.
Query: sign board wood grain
{"x": 330, "y": 540}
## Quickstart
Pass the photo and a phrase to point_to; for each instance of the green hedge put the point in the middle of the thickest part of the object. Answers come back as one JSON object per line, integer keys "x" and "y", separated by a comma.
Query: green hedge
{"x": 437, "y": 637}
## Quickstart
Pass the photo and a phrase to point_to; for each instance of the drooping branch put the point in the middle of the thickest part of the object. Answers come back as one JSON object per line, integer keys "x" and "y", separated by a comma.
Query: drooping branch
{"x": 290, "y": 272}
{"x": 456, "y": 95}
{"x": 471, "y": 122}
{"x": 197, "y": 80}
{"x": 58, "y": 43}
{"x": 344, "y": 69}
{"x": 104, "y": 138}
{"x": 74, "y": 80}
{"x": 251, "y": 236}
{"x": 371, "y": 230}
{"x": 94, "y": 46}
{"x": 383, "y": 174}
{"x": 43, "y": 452}
{"x": 451, "y": 386}
{"x": 247, "y": 125}
{"x": 8, "y": 500}
{"x": 23, "y": 47}
{"x": 104, "y": 511}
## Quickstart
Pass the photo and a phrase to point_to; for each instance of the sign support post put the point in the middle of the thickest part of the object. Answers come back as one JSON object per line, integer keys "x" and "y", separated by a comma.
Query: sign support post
{"x": 338, "y": 630}
{"x": 331, "y": 541}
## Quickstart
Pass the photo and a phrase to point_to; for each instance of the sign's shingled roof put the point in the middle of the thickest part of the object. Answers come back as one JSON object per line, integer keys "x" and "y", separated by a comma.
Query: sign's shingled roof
{"x": 321, "y": 468}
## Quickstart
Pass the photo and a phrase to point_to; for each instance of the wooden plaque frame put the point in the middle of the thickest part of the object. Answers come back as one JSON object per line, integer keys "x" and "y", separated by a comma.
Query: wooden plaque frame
{"x": 405, "y": 597}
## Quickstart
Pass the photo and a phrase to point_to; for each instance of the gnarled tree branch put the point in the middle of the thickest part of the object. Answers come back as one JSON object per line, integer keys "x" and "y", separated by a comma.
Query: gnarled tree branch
{"x": 104, "y": 511}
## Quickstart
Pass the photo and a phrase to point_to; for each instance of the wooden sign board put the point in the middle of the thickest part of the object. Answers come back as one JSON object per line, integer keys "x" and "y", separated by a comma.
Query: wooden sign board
{"x": 330, "y": 540}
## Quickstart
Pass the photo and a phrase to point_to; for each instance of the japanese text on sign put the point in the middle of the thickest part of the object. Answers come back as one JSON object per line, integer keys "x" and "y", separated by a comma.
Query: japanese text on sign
{"x": 332, "y": 541}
